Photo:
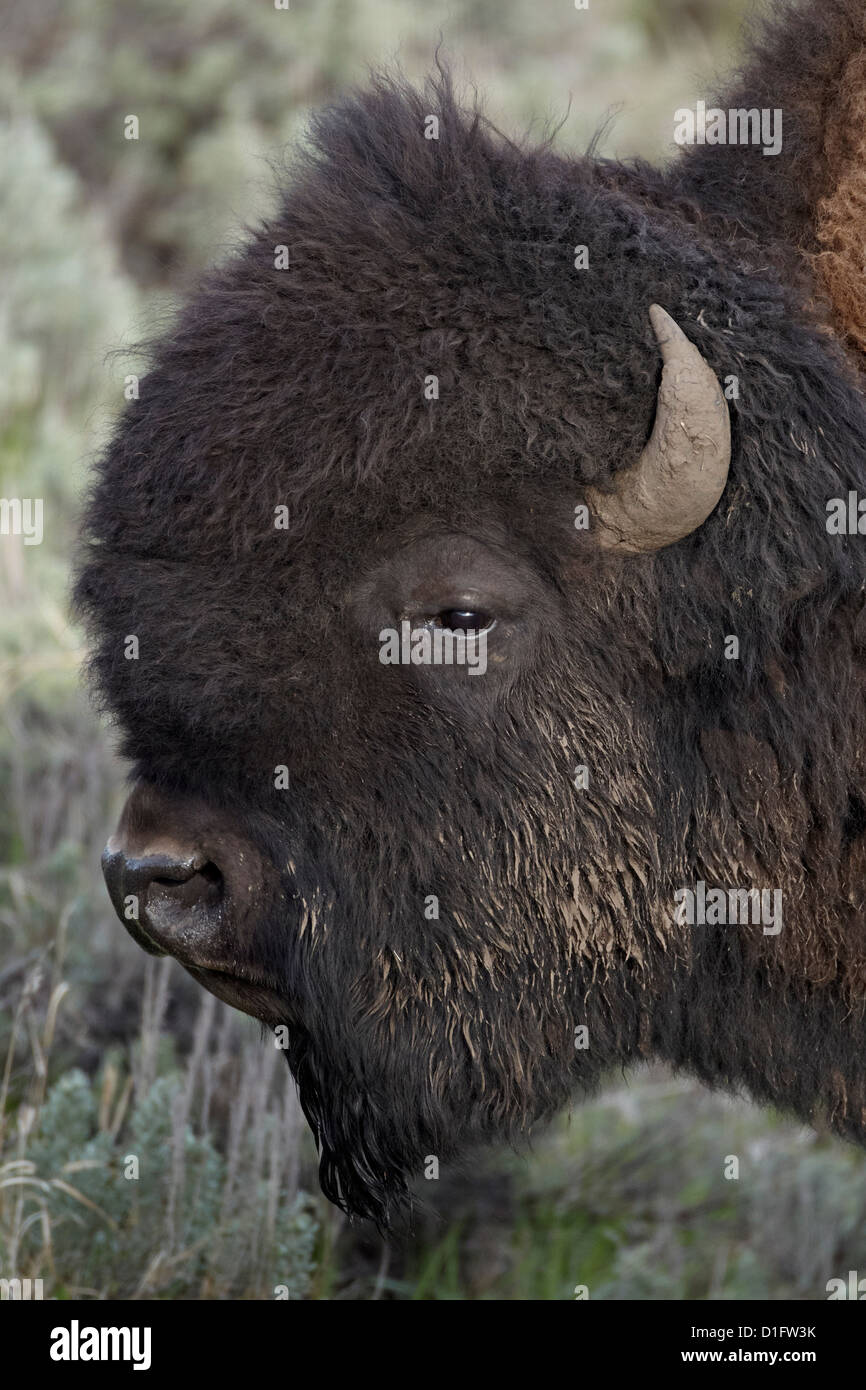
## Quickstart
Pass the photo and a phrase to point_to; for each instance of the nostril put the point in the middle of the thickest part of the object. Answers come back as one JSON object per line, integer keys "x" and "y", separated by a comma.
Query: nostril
{"x": 159, "y": 868}
{"x": 146, "y": 884}
{"x": 198, "y": 886}
{"x": 185, "y": 872}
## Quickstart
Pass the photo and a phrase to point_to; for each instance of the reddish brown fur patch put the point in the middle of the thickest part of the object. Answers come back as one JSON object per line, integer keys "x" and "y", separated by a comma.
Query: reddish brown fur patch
{"x": 841, "y": 216}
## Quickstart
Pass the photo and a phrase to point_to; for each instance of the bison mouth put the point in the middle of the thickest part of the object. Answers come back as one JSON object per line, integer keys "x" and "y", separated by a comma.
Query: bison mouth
{"x": 252, "y": 997}
{"x": 189, "y": 917}
{"x": 186, "y": 883}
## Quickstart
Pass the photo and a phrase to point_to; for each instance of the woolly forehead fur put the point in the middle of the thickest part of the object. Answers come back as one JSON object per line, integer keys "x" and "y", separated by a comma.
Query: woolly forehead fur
{"x": 304, "y": 386}
{"x": 408, "y": 256}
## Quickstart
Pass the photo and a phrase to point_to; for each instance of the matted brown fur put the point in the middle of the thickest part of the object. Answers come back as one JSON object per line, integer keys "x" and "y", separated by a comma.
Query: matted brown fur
{"x": 841, "y": 215}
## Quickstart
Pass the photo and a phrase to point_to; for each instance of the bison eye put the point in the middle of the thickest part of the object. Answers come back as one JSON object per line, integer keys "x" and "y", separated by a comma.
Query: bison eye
{"x": 463, "y": 620}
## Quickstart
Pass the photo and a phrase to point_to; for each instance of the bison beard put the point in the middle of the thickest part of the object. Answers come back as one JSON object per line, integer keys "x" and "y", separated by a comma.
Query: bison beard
{"x": 299, "y": 805}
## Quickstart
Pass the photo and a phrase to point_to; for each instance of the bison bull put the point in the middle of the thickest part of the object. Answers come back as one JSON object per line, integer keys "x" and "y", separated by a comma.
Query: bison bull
{"x": 623, "y": 472}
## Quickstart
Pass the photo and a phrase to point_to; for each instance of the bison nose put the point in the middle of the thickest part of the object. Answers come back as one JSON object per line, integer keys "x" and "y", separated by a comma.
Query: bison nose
{"x": 156, "y": 894}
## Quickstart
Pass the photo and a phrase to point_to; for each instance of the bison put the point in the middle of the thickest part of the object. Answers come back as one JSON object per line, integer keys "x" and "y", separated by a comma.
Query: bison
{"x": 601, "y": 424}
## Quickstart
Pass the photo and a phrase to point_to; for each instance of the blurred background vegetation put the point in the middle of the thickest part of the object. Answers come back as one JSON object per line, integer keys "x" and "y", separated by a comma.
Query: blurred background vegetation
{"x": 106, "y": 1054}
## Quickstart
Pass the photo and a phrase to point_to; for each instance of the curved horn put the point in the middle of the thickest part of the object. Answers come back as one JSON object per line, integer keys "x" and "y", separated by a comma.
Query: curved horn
{"x": 682, "y": 472}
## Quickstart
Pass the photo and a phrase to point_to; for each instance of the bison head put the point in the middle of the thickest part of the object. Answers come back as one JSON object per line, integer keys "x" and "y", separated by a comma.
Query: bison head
{"x": 437, "y": 395}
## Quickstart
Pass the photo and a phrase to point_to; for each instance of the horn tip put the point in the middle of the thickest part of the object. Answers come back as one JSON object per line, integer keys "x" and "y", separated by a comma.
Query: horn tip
{"x": 663, "y": 323}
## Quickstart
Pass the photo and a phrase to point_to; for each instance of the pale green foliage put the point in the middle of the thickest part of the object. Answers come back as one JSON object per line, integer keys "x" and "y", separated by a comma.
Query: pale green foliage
{"x": 156, "y": 1209}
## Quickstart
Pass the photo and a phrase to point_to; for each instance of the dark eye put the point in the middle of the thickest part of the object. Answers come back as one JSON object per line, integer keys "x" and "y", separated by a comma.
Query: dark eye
{"x": 463, "y": 619}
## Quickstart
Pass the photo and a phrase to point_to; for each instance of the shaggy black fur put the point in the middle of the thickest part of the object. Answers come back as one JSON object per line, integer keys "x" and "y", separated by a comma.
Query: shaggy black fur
{"x": 259, "y": 646}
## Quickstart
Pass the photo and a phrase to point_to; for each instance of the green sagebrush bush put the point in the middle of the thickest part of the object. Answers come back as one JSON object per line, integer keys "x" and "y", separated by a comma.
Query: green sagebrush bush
{"x": 116, "y": 1194}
